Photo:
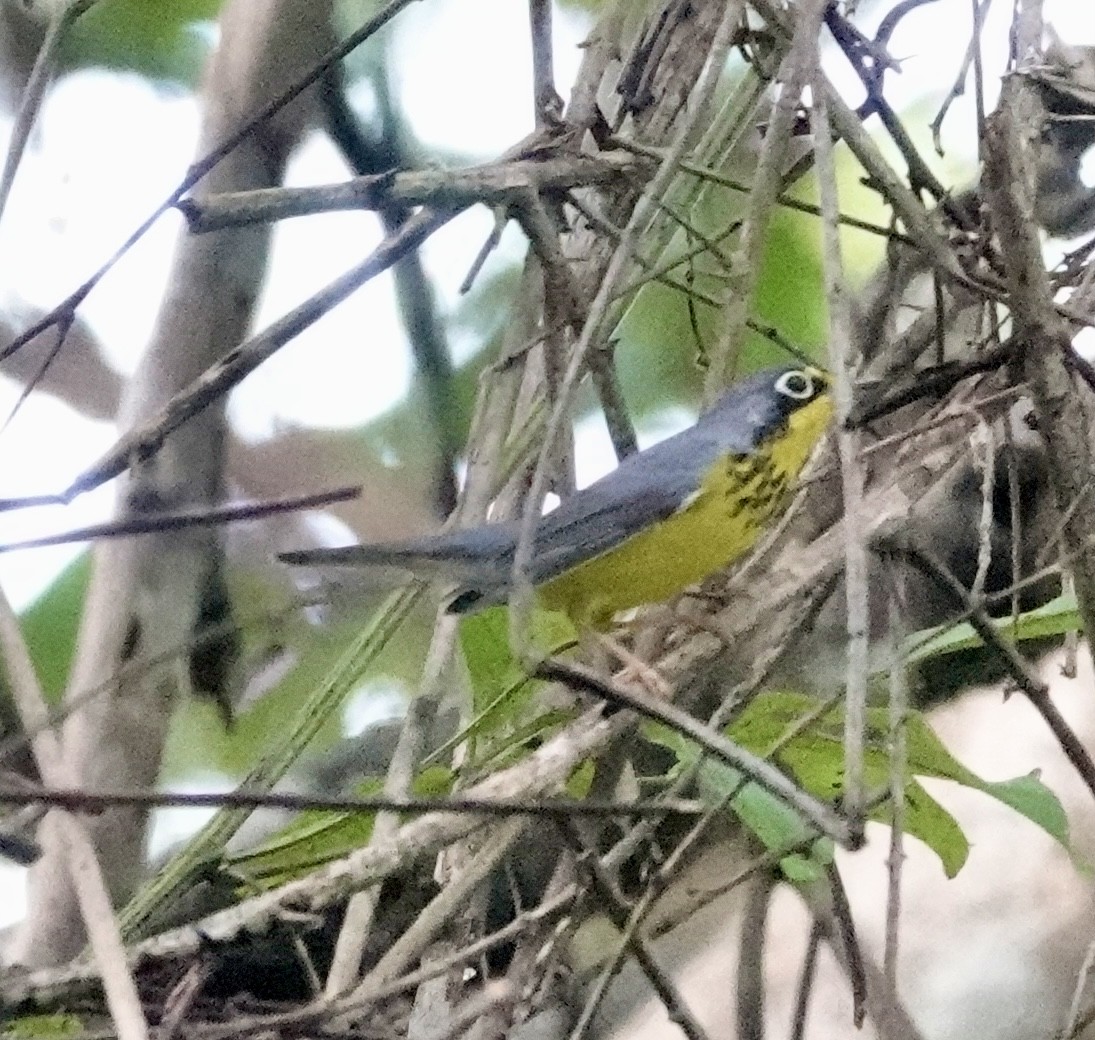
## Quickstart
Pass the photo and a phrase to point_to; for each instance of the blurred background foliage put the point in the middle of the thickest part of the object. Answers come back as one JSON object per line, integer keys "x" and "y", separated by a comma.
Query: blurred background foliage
{"x": 659, "y": 342}
{"x": 166, "y": 40}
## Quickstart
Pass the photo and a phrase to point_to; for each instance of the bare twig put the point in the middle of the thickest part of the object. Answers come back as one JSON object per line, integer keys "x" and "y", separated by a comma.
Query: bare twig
{"x": 88, "y": 882}
{"x": 544, "y": 770}
{"x": 763, "y": 773}
{"x": 1012, "y": 136}
{"x": 78, "y": 800}
{"x": 356, "y": 925}
{"x": 1035, "y": 690}
{"x": 157, "y": 523}
{"x": 899, "y": 700}
{"x": 806, "y": 979}
{"x": 972, "y": 55}
{"x": 410, "y": 946}
{"x": 788, "y": 201}
{"x": 609, "y": 898}
{"x": 1083, "y": 977}
{"x": 492, "y": 184}
{"x": 749, "y": 998}
{"x": 596, "y": 327}
{"x": 843, "y": 363}
{"x": 547, "y": 105}
{"x": 324, "y": 1010}
{"x": 767, "y": 186}
{"x": 841, "y": 911}
{"x": 35, "y": 91}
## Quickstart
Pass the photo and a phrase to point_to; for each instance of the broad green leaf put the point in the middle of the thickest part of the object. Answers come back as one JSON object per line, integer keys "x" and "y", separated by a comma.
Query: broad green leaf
{"x": 815, "y": 758}
{"x": 1054, "y": 618}
{"x": 319, "y": 836}
{"x": 771, "y": 820}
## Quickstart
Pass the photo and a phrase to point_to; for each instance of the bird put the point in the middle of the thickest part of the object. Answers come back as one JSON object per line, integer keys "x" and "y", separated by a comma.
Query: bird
{"x": 663, "y": 520}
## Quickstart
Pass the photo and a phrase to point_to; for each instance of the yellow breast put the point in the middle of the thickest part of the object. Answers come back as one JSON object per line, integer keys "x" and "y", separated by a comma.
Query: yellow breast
{"x": 715, "y": 526}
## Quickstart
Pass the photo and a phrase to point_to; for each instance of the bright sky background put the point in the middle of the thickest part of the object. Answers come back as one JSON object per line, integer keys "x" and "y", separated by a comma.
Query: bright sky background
{"x": 109, "y": 148}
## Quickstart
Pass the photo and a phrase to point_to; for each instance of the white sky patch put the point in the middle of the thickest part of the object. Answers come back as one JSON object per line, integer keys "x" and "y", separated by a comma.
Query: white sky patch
{"x": 42, "y": 451}
{"x": 106, "y": 152}
{"x": 352, "y": 363}
{"x": 178, "y": 822}
{"x": 464, "y": 72}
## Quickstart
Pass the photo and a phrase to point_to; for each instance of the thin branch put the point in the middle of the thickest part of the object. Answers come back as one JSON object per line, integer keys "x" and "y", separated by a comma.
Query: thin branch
{"x": 492, "y": 184}
{"x": 921, "y": 226}
{"x": 324, "y": 1010}
{"x": 972, "y": 55}
{"x": 844, "y": 362}
{"x": 34, "y": 93}
{"x": 920, "y": 175}
{"x": 596, "y": 326}
{"x": 750, "y": 996}
{"x": 898, "y": 708}
{"x": 360, "y": 911}
{"x": 807, "y": 977}
{"x": 91, "y": 890}
{"x": 762, "y": 773}
{"x": 611, "y": 902}
{"x": 415, "y": 298}
{"x": 546, "y": 103}
{"x": 1012, "y": 136}
{"x": 788, "y": 201}
{"x": 544, "y": 770}
{"x": 474, "y": 1009}
{"x": 157, "y": 523}
{"x": 78, "y": 800}
{"x": 1083, "y": 977}
{"x": 180, "y": 871}
{"x": 453, "y": 897}
{"x": 841, "y": 911}
{"x": 1036, "y": 691}
{"x": 767, "y": 186}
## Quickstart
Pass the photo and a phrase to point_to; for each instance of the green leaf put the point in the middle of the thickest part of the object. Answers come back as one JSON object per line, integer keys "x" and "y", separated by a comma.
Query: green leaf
{"x": 580, "y": 782}
{"x": 1057, "y": 617}
{"x": 815, "y": 758}
{"x": 771, "y": 820}
{"x": 317, "y": 836}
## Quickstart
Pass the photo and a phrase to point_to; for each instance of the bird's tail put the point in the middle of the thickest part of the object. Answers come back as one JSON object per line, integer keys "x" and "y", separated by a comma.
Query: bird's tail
{"x": 417, "y": 557}
{"x": 480, "y": 556}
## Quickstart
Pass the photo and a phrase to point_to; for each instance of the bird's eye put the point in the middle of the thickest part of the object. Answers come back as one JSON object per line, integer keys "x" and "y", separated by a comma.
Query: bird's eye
{"x": 796, "y": 384}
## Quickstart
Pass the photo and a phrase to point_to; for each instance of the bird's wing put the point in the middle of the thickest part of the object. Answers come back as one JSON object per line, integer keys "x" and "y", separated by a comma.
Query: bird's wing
{"x": 643, "y": 490}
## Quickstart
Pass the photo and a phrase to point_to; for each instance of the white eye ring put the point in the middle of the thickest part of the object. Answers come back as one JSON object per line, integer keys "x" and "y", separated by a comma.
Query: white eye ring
{"x": 796, "y": 384}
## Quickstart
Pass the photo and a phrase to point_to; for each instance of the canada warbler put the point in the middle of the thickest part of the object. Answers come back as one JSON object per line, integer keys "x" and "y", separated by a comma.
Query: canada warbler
{"x": 664, "y": 519}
